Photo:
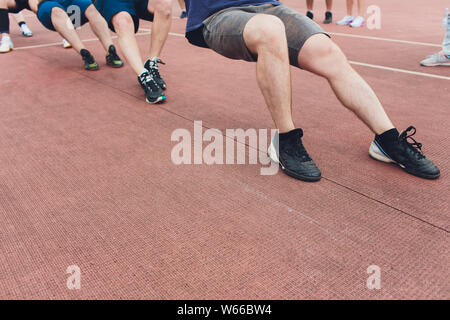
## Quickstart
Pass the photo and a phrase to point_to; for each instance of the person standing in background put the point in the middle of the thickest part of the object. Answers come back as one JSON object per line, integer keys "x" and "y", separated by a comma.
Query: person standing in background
{"x": 328, "y": 13}
{"x": 349, "y": 19}
{"x": 441, "y": 58}
{"x": 183, "y": 9}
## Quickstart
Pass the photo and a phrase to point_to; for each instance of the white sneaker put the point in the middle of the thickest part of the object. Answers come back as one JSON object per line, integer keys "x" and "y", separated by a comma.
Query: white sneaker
{"x": 6, "y": 45}
{"x": 66, "y": 44}
{"x": 437, "y": 59}
{"x": 26, "y": 32}
{"x": 358, "y": 22}
{"x": 345, "y": 21}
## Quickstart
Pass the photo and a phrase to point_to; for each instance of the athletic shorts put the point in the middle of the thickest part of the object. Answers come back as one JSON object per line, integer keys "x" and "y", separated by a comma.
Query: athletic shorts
{"x": 136, "y": 8}
{"x": 20, "y": 5}
{"x": 70, "y": 6}
{"x": 223, "y": 31}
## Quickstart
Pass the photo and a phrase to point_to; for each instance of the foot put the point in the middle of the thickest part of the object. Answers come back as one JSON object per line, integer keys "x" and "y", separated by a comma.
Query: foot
{"x": 66, "y": 44}
{"x": 153, "y": 92}
{"x": 345, "y": 21}
{"x": 437, "y": 59}
{"x": 152, "y": 66}
{"x": 183, "y": 14}
{"x": 328, "y": 17}
{"x": 310, "y": 14}
{"x": 26, "y": 32}
{"x": 392, "y": 147}
{"x": 358, "y": 22}
{"x": 89, "y": 61}
{"x": 288, "y": 151}
{"x": 112, "y": 58}
{"x": 6, "y": 45}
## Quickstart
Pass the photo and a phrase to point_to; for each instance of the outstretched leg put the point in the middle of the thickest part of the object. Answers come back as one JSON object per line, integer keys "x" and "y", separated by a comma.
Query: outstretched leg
{"x": 99, "y": 26}
{"x": 162, "y": 11}
{"x": 265, "y": 37}
{"x": 321, "y": 56}
{"x": 124, "y": 27}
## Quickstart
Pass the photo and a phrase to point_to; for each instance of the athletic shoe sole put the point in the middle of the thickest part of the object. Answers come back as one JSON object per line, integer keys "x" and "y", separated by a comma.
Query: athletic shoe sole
{"x": 272, "y": 154}
{"x": 378, "y": 154}
{"x": 112, "y": 65}
{"x": 444, "y": 64}
{"x": 157, "y": 101}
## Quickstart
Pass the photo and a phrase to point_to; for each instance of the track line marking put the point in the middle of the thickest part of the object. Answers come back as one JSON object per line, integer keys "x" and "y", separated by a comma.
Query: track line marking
{"x": 148, "y": 31}
{"x": 385, "y": 39}
{"x": 399, "y": 70}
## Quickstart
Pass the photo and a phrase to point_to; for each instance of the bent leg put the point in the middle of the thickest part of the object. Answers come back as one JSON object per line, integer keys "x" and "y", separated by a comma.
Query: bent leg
{"x": 162, "y": 11}
{"x": 63, "y": 25}
{"x": 265, "y": 37}
{"x": 323, "y": 57}
{"x": 99, "y": 26}
{"x": 124, "y": 26}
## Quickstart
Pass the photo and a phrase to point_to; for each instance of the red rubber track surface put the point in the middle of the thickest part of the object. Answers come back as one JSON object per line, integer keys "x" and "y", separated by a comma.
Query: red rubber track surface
{"x": 86, "y": 176}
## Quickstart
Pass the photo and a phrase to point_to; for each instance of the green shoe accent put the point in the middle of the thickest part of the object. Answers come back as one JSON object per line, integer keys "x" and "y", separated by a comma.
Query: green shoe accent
{"x": 91, "y": 66}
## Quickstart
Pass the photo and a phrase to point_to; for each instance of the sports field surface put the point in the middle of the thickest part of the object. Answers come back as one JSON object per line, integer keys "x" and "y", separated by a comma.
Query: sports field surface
{"x": 86, "y": 176}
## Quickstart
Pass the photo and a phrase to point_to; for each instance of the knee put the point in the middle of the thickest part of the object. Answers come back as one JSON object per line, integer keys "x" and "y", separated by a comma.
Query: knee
{"x": 265, "y": 31}
{"x": 329, "y": 51}
{"x": 322, "y": 56}
{"x": 58, "y": 13}
{"x": 92, "y": 13}
{"x": 123, "y": 22}
{"x": 164, "y": 8}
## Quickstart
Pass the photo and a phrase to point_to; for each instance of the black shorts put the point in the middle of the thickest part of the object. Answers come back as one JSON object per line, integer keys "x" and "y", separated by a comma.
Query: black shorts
{"x": 136, "y": 8}
{"x": 20, "y": 5}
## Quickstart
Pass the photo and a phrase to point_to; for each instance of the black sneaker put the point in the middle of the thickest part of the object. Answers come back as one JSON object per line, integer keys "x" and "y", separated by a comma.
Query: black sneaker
{"x": 310, "y": 14}
{"x": 183, "y": 14}
{"x": 328, "y": 17}
{"x": 407, "y": 154}
{"x": 154, "y": 94}
{"x": 288, "y": 151}
{"x": 152, "y": 66}
{"x": 112, "y": 58}
{"x": 89, "y": 61}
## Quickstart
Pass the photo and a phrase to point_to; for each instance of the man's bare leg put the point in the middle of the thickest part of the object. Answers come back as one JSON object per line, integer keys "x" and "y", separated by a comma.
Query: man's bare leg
{"x": 265, "y": 37}
{"x": 124, "y": 27}
{"x": 162, "y": 11}
{"x": 99, "y": 26}
{"x": 321, "y": 56}
{"x": 310, "y": 4}
{"x": 65, "y": 28}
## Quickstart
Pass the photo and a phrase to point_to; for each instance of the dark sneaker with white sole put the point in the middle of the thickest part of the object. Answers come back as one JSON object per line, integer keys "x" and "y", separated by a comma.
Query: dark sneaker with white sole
{"x": 152, "y": 66}
{"x": 391, "y": 147}
{"x": 154, "y": 94}
{"x": 288, "y": 151}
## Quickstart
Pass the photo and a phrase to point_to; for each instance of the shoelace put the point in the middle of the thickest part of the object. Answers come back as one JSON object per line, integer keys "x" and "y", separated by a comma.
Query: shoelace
{"x": 415, "y": 146}
{"x": 149, "y": 81}
{"x": 302, "y": 153}
{"x": 154, "y": 67}
{"x": 298, "y": 149}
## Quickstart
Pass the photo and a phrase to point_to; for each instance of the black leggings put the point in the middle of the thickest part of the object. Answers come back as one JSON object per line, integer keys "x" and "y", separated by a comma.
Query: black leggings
{"x": 4, "y": 21}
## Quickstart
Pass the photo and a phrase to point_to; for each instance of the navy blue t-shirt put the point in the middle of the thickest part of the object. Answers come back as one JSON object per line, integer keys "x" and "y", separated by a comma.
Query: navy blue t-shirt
{"x": 199, "y": 10}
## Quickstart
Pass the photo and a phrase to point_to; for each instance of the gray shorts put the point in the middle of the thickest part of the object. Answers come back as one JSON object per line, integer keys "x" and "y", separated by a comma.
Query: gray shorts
{"x": 223, "y": 31}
